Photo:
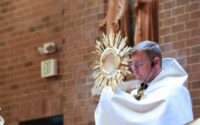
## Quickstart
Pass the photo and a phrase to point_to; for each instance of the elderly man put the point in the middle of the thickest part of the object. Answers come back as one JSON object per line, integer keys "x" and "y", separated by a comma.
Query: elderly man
{"x": 160, "y": 98}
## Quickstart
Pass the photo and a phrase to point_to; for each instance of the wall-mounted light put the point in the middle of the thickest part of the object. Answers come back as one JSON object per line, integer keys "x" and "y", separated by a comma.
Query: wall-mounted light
{"x": 47, "y": 48}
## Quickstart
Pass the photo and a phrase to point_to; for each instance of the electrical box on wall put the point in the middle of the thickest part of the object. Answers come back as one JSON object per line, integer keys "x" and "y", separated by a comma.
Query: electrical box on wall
{"x": 49, "y": 68}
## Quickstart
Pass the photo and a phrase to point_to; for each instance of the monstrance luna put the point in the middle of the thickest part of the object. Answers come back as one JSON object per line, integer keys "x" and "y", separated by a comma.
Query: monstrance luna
{"x": 112, "y": 63}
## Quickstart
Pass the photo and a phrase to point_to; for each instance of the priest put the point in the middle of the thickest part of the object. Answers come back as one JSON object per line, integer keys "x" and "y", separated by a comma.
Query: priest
{"x": 160, "y": 98}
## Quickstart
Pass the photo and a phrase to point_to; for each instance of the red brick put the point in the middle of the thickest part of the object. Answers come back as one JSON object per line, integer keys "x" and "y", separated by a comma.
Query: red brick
{"x": 170, "y": 38}
{"x": 193, "y": 59}
{"x": 193, "y": 42}
{"x": 179, "y": 45}
{"x": 195, "y": 50}
{"x": 193, "y": 6}
{"x": 166, "y": 47}
{"x": 182, "y": 2}
{"x": 169, "y": 54}
{"x": 178, "y": 10}
{"x": 169, "y": 5}
{"x": 178, "y": 27}
{"x": 165, "y": 14}
{"x": 196, "y": 101}
{"x": 161, "y": 7}
{"x": 182, "y": 61}
{"x": 195, "y": 93}
{"x": 194, "y": 76}
{"x": 195, "y": 15}
{"x": 183, "y": 35}
{"x": 183, "y": 52}
{"x": 91, "y": 3}
{"x": 196, "y": 110}
{"x": 165, "y": 31}
{"x": 195, "y": 68}
{"x": 192, "y": 24}
{"x": 168, "y": 22}
{"x": 195, "y": 32}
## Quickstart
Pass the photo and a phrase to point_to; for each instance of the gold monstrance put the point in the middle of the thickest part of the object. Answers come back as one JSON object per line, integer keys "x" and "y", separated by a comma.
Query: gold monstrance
{"x": 113, "y": 60}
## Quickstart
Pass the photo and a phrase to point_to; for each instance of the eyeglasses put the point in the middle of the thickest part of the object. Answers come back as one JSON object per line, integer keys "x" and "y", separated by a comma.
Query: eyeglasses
{"x": 136, "y": 65}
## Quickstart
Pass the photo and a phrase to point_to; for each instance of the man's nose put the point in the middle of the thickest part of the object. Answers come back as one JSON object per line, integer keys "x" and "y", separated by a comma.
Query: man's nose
{"x": 134, "y": 68}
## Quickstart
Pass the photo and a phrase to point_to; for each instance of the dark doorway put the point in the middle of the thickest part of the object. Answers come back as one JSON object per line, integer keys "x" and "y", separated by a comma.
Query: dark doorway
{"x": 53, "y": 120}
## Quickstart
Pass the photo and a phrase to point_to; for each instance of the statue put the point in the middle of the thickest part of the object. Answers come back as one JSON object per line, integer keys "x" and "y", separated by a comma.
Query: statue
{"x": 146, "y": 20}
{"x": 117, "y": 18}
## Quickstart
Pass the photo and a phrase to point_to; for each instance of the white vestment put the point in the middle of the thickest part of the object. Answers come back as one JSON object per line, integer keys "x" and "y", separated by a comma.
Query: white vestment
{"x": 167, "y": 101}
{"x": 1, "y": 120}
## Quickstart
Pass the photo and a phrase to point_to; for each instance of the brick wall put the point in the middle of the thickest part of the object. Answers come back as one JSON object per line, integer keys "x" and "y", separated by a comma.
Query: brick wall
{"x": 180, "y": 38}
{"x": 73, "y": 26}
{"x": 24, "y": 26}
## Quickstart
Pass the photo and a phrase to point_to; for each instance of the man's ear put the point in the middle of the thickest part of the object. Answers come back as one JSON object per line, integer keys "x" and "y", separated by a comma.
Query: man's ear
{"x": 156, "y": 60}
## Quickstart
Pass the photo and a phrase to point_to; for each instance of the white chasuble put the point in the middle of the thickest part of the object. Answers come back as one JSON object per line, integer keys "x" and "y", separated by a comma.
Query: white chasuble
{"x": 166, "y": 101}
{"x": 1, "y": 120}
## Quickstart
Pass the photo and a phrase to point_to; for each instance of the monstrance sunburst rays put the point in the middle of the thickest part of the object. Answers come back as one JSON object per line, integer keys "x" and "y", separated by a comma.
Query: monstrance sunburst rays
{"x": 112, "y": 63}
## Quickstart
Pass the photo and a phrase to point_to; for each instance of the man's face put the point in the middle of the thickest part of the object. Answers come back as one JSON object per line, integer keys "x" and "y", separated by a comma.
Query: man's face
{"x": 141, "y": 66}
